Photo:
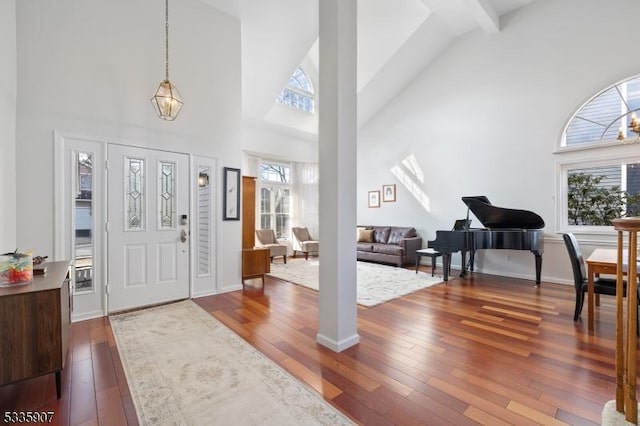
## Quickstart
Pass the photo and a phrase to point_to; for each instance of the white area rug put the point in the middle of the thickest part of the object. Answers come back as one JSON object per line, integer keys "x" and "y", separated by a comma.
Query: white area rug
{"x": 610, "y": 417}
{"x": 184, "y": 367}
{"x": 376, "y": 283}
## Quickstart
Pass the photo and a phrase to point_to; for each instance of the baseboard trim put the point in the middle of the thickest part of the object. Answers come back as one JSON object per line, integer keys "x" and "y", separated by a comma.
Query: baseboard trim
{"x": 87, "y": 316}
{"x": 227, "y": 289}
{"x": 204, "y": 294}
{"x": 338, "y": 346}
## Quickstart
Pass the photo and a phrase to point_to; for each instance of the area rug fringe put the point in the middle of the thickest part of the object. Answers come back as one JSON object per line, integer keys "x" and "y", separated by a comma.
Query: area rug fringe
{"x": 185, "y": 367}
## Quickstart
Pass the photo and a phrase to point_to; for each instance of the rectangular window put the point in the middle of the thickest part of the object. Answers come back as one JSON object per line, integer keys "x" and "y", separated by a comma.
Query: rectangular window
{"x": 275, "y": 199}
{"x": 84, "y": 222}
{"x": 597, "y": 194}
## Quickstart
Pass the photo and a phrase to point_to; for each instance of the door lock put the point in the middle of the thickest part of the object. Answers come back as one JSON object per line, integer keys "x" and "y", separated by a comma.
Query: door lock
{"x": 183, "y": 236}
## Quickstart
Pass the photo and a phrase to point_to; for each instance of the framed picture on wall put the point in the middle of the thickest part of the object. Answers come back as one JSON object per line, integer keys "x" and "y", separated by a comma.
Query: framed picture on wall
{"x": 231, "y": 198}
{"x": 388, "y": 193}
{"x": 374, "y": 198}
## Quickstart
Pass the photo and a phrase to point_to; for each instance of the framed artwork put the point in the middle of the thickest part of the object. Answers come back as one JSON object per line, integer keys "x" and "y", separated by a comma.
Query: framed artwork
{"x": 374, "y": 198}
{"x": 231, "y": 198}
{"x": 388, "y": 193}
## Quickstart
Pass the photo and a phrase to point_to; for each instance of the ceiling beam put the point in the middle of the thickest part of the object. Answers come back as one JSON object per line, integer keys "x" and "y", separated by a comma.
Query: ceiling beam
{"x": 485, "y": 14}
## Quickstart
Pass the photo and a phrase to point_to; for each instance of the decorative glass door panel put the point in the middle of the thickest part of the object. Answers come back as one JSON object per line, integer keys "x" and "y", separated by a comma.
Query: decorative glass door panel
{"x": 135, "y": 194}
{"x": 167, "y": 195}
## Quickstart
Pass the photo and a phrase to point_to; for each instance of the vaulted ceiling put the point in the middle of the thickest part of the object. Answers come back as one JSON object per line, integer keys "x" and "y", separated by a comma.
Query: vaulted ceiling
{"x": 396, "y": 41}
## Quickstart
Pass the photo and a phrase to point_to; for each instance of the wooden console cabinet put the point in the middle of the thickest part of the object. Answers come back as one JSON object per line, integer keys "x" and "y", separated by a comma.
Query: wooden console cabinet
{"x": 255, "y": 263}
{"x": 34, "y": 326}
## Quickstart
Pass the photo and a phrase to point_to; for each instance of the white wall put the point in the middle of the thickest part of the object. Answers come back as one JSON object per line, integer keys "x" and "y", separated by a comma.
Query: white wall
{"x": 7, "y": 125}
{"x": 89, "y": 68}
{"x": 278, "y": 145}
{"x": 486, "y": 116}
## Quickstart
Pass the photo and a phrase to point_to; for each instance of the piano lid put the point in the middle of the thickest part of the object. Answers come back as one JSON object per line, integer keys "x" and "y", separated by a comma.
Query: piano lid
{"x": 494, "y": 217}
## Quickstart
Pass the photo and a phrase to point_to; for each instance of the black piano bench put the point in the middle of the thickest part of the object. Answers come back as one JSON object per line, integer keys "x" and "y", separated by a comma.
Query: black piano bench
{"x": 428, "y": 252}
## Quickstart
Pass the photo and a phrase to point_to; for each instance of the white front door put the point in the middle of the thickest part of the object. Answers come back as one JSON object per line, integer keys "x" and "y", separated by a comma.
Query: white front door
{"x": 148, "y": 248}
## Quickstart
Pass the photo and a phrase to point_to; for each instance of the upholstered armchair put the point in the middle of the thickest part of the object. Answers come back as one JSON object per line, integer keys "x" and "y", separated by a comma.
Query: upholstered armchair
{"x": 267, "y": 238}
{"x": 302, "y": 242}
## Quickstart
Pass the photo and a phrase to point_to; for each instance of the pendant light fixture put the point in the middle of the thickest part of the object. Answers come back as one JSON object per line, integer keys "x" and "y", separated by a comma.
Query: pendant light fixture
{"x": 167, "y": 101}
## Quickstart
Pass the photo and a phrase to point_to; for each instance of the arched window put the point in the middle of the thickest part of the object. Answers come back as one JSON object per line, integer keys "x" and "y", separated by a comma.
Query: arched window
{"x": 606, "y": 116}
{"x": 596, "y": 186}
{"x": 298, "y": 93}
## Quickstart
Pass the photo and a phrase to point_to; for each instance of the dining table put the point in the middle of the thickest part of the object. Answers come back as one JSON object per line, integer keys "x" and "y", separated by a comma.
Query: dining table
{"x": 601, "y": 261}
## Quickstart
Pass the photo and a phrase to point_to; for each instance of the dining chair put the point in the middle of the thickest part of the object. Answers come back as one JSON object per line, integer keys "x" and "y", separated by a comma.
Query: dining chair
{"x": 601, "y": 285}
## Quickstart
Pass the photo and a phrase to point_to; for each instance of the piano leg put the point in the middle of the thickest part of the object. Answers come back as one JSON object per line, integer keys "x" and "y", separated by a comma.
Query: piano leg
{"x": 446, "y": 263}
{"x": 538, "y": 256}
{"x": 463, "y": 265}
{"x": 472, "y": 259}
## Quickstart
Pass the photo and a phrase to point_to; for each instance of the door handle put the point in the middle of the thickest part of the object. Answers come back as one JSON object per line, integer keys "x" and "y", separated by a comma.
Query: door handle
{"x": 183, "y": 236}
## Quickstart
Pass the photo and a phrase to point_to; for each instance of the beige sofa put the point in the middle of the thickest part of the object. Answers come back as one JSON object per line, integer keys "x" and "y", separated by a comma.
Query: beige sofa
{"x": 388, "y": 244}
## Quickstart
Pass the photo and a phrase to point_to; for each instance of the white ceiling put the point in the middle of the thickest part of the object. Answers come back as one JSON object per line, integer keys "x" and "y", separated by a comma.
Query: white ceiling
{"x": 396, "y": 41}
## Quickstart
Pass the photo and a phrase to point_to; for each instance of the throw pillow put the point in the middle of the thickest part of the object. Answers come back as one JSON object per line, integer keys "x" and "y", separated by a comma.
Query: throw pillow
{"x": 365, "y": 235}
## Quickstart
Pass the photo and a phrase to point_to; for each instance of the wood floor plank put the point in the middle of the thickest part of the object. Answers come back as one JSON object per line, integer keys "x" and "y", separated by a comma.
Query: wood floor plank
{"x": 534, "y": 415}
{"x": 83, "y": 393}
{"x": 481, "y": 417}
{"x": 478, "y": 401}
{"x": 323, "y": 387}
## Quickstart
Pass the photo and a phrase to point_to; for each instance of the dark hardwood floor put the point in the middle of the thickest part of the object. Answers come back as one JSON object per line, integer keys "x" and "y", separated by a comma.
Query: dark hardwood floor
{"x": 480, "y": 350}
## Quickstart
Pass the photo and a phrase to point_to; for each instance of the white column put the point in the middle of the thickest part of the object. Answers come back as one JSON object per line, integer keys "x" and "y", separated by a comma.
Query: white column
{"x": 337, "y": 328}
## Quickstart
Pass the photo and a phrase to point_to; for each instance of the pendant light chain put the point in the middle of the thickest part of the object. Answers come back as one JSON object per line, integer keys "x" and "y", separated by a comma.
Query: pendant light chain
{"x": 166, "y": 39}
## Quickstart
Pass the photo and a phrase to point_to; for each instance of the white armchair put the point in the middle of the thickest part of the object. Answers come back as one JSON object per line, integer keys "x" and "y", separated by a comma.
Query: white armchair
{"x": 267, "y": 238}
{"x": 302, "y": 242}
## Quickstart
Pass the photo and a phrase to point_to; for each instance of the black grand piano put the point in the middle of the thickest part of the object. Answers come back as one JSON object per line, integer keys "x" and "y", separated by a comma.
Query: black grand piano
{"x": 505, "y": 228}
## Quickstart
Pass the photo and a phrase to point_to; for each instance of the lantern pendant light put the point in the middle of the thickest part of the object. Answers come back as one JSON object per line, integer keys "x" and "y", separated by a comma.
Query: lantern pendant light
{"x": 167, "y": 101}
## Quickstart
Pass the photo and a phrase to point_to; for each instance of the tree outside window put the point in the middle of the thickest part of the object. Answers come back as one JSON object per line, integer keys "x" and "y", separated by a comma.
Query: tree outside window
{"x": 597, "y": 195}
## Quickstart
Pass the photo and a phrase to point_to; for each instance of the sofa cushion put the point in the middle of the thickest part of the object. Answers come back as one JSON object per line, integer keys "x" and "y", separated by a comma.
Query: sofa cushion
{"x": 364, "y": 247}
{"x": 395, "y": 250}
{"x": 397, "y": 233}
{"x": 381, "y": 234}
{"x": 365, "y": 235}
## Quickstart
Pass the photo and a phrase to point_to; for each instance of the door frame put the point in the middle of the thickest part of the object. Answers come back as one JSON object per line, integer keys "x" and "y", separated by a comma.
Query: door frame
{"x": 63, "y": 222}
{"x": 62, "y": 238}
